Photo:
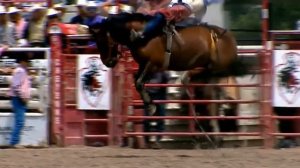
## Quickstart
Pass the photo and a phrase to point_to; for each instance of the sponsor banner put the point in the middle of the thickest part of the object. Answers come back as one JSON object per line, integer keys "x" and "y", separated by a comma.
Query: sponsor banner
{"x": 286, "y": 78}
{"x": 93, "y": 83}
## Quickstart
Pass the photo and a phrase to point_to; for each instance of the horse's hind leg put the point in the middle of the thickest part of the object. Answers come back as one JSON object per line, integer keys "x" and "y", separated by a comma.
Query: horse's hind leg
{"x": 214, "y": 110}
{"x": 140, "y": 80}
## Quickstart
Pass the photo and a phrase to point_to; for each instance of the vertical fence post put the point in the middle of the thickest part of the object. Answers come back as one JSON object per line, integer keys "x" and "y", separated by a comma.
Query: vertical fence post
{"x": 267, "y": 64}
{"x": 56, "y": 83}
{"x": 266, "y": 78}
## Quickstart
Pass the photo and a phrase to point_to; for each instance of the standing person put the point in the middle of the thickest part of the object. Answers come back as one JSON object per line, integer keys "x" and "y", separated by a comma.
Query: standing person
{"x": 16, "y": 18}
{"x": 156, "y": 93}
{"x": 20, "y": 94}
{"x": 53, "y": 16}
{"x": 36, "y": 27}
{"x": 8, "y": 35}
{"x": 93, "y": 13}
{"x": 62, "y": 9}
{"x": 81, "y": 17}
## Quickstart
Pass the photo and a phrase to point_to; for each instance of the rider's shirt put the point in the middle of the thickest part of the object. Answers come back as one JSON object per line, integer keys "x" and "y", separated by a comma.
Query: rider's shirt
{"x": 197, "y": 7}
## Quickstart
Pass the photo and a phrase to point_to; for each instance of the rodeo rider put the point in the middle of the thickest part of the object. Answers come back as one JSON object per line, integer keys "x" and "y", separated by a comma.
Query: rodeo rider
{"x": 182, "y": 12}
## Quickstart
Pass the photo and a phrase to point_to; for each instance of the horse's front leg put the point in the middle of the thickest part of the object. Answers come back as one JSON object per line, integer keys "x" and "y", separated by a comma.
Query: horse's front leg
{"x": 140, "y": 80}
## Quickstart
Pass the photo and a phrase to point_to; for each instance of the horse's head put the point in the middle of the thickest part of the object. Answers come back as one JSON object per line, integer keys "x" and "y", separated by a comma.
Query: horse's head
{"x": 107, "y": 46}
{"x": 114, "y": 30}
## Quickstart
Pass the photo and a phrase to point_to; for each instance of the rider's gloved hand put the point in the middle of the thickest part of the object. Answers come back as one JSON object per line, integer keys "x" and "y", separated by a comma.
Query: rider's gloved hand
{"x": 166, "y": 12}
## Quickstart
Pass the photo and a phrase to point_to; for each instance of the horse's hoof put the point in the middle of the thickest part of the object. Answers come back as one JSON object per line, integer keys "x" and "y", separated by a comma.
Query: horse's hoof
{"x": 152, "y": 109}
{"x": 156, "y": 145}
{"x": 139, "y": 86}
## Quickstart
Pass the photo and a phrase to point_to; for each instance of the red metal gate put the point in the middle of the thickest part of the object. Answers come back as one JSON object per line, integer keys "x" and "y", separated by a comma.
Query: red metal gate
{"x": 131, "y": 100}
{"x": 71, "y": 126}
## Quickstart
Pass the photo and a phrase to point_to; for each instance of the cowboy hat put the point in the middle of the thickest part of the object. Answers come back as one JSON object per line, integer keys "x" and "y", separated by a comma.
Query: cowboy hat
{"x": 81, "y": 3}
{"x": 36, "y": 7}
{"x": 113, "y": 9}
{"x": 51, "y": 12}
{"x": 13, "y": 9}
{"x": 2, "y": 10}
{"x": 59, "y": 5}
{"x": 126, "y": 8}
{"x": 91, "y": 4}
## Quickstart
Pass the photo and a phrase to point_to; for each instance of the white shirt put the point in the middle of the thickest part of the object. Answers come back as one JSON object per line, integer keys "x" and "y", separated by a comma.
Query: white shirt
{"x": 197, "y": 7}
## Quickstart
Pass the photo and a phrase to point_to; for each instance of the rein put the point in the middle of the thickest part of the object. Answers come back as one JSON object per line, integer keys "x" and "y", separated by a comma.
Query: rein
{"x": 111, "y": 45}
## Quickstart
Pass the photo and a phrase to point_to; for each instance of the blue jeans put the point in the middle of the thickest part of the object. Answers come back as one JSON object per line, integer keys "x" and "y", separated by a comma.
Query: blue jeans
{"x": 160, "y": 111}
{"x": 154, "y": 27}
{"x": 19, "y": 109}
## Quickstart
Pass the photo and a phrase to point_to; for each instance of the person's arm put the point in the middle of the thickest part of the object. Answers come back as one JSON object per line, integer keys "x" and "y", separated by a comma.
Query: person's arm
{"x": 3, "y": 48}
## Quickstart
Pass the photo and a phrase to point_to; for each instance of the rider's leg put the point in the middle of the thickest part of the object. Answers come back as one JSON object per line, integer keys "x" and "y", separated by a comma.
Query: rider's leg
{"x": 152, "y": 29}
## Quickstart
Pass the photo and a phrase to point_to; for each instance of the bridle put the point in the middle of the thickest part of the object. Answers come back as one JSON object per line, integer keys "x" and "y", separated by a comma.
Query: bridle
{"x": 111, "y": 45}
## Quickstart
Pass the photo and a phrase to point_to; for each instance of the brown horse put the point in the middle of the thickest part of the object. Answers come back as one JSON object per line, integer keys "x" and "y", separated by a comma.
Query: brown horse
{"x": 209, "y": 47}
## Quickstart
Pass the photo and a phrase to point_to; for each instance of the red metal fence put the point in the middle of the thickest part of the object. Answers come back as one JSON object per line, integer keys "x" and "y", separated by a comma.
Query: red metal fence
{"x": 69, "y": 123}
{"x": 279, "y": 37}
{"x": 71, "y": 126}
{"x": 131, "y": 100}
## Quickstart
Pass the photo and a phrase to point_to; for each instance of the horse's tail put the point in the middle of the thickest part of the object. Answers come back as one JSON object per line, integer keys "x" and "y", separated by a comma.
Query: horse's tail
{"x": 239, "y": 67}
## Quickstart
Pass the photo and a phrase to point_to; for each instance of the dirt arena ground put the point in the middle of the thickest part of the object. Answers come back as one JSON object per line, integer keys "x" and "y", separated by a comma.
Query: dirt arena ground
{"x": 108, "y": 157}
